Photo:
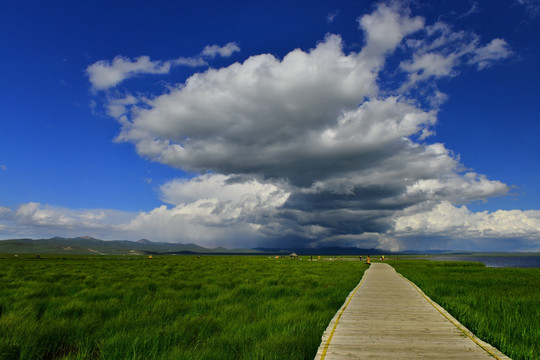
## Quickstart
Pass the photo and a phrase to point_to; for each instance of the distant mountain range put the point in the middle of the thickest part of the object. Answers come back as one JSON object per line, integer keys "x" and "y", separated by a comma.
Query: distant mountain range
{"x": 90, "y": 245}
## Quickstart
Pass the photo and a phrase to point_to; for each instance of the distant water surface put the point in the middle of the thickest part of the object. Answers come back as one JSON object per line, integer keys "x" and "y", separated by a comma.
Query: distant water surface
{"x": 495, "y": 261}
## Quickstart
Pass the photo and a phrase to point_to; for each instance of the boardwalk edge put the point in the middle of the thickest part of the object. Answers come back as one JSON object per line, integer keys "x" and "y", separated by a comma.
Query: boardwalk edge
{"x": 328, "y": 333}
{"x": 490, "y": 349}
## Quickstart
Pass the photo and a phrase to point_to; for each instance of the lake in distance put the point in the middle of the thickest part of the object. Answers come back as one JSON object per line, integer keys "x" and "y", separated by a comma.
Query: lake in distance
{"x": 515, "y": 261}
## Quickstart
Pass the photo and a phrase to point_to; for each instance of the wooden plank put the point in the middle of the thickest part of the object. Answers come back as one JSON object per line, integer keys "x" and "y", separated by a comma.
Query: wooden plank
{"x": 387, "y": 317}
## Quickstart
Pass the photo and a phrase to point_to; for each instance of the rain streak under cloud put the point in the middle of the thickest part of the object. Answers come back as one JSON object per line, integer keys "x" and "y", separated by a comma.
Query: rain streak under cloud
{"x": 317, "y": 148}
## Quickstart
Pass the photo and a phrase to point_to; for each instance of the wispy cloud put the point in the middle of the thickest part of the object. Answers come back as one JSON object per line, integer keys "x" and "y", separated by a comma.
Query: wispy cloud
{"x": 332, "y": 16}
{"x": 486, "y": 55}
{"x": 473, "y": 10}
{"x": 223, "y": 51}
{"x": 105, "y": 74}
{"x": 441, "y": 51}
{"x": 532, "y": 6}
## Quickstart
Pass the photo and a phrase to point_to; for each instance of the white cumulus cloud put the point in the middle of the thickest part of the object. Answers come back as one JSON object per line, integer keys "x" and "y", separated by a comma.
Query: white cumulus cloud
{"x": 34, "y": 219}
{"x": 212, "y": 210}
{"x": 520, "y": 229}
{"x": 459, "y": 222}
{"x": 384, "y": 30}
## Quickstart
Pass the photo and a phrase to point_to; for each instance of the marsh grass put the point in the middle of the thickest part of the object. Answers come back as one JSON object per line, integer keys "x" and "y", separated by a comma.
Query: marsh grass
{"x": 500, "y": 305}
{"x": 171, "y": 307}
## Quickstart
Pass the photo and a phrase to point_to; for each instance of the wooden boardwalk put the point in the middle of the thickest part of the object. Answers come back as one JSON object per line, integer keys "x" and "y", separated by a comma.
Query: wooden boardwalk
{"x": 388, "y": 317}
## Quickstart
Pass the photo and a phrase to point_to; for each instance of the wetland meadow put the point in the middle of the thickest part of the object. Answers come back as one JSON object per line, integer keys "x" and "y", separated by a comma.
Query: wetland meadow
{"x": 168, "y": 307}
{"x": 232, "y": 307}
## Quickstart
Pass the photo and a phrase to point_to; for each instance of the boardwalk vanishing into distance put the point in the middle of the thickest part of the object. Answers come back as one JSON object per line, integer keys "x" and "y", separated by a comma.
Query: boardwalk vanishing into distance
{"x": 387, "y": 317}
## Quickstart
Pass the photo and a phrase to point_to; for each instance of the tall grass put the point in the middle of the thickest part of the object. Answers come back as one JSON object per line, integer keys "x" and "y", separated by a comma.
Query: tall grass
{"x": 174, "y": 307}
{"x": 500, "y": 305}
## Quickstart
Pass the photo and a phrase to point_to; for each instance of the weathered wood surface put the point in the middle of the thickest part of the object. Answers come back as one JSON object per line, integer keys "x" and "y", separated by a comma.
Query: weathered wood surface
{"x": 387, "y": 317}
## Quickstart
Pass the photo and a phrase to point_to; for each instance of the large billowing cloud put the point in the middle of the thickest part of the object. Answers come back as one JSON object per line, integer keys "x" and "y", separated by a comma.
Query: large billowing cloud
{"x": 344, "y": 155}
{"x": 313, "y": 150}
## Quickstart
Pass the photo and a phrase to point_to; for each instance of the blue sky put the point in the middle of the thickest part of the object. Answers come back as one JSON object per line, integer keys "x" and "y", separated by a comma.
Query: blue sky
{"x": 398, "y": 125}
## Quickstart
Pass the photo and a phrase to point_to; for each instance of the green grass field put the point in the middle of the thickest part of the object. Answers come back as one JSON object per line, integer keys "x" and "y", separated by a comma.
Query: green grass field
{"x": 500, "y": 305}
{"x": 170, "y": 307}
